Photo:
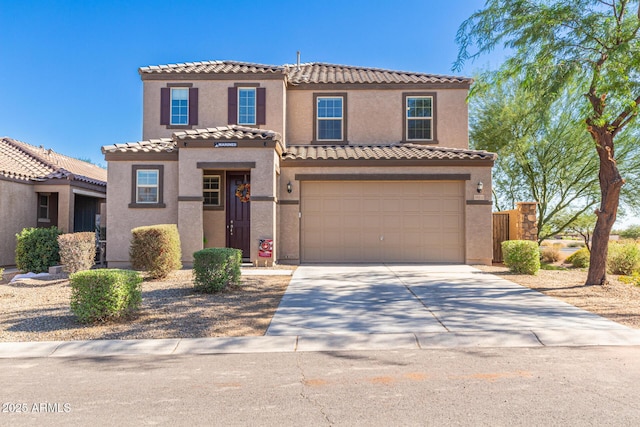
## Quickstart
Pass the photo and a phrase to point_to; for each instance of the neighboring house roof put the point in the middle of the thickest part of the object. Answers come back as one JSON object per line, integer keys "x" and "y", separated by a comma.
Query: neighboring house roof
{"x": 231, "y": 132}
{"x": 397, "y": 151}
{"x": 22, "y": 161}
{"x": 311, "y": 72}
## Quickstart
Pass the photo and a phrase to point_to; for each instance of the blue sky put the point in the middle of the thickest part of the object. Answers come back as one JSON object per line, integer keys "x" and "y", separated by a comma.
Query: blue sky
{"x": 68, "y": 73}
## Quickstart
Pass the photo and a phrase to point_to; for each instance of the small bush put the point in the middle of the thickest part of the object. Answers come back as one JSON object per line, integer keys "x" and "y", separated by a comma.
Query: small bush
{"x": 634, "y": 279}
{"x": 632, "y": 232}
{"x": 623, "y": 258}
{"x": 576, "y": 245}
{"x": 550, "y": 254}
{"x": 521, "y": 256}
{"x": 37, "y": 249}
{"x": 156, "y": 249}
{"x": 77, "y": 251}
{"x": 216, "y": 268}
{"x": 99, "y": 295}
{"x": 580, "y": 258}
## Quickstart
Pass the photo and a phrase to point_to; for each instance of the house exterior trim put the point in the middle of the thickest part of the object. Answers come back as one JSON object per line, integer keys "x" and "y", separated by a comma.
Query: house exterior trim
{"x": 384, "y": 177}
{"x": 226, "y": 165}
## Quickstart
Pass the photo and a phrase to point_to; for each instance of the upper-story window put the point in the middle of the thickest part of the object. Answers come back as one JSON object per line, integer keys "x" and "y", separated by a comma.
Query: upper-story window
{"x": 419, "y": 114}
{"x": 330, "y": 117}
{"x": 246, "y": 106}
{"x": 179, "y": 106}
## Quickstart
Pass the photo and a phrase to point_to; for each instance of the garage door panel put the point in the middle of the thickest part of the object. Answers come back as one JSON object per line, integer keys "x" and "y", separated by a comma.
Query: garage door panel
{"x": 373, "y": 221}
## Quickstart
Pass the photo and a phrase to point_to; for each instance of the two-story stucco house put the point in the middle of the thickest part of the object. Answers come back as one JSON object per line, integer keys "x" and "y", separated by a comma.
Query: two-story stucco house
{"x": 332, "y": 163}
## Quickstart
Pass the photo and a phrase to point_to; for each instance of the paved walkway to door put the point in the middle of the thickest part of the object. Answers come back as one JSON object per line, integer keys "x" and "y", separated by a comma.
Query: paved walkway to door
{"x": 435, "y": 303}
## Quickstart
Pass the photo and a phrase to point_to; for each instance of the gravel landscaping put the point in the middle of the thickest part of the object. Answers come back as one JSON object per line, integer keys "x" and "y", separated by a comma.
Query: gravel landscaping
{"x": 38, "y": 310}
{"x": 617, "y": 301}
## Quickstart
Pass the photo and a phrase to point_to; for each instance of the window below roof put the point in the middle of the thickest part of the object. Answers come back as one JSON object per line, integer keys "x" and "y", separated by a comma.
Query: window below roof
{"x": 330, "y": 117}
{"x": 179, "y": 106}
{"x": 246, "y": 106}
{"x": 147, "y": 186}
{"x": 419, "y": 117}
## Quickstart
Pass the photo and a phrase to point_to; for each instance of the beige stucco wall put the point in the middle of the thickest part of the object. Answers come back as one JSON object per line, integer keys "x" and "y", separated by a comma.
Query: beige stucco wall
{"x": 478, "y": 222}
{"x": 18, "y": 202}
{"x": 121, "y": 219}
{"x": 212, "y": 105}
{"x": 213, "y": 223}
{"x": 376, "y": 116}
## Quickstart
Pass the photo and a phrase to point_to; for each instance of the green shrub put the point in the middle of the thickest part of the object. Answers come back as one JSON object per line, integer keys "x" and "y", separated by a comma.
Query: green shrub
{"x": 215, "y": 268}
{"x": 98, "y": 295}
{"x": 521, "y": 256}
{"x": 550, "y": 254}
{"x": 631, "y": 232}
{"x": 623, "y": 258}
{"x": 156, "y": 249}
{"x": 77, "y": 251}
{"x": 580, "y": 258}
{"x": 37, "y": 249}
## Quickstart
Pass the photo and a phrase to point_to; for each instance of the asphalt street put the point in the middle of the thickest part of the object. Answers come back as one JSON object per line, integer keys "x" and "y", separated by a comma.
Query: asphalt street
{"x": 578, "y": 386}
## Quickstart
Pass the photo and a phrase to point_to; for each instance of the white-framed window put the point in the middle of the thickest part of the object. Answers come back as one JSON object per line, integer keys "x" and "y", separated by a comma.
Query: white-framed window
{"x": 43, "y": 207}
{"x": 147, "y": 185}
{"x": 246, "y": 106}
{"x": 179, "y": 106}
{"x": 329, "y": 118}
{"x": 211, "y": 190}
{"x": 419, "y": 118}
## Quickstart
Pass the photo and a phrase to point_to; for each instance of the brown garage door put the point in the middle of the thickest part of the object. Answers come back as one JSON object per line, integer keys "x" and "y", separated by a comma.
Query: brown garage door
{"x": 382, "y": 221}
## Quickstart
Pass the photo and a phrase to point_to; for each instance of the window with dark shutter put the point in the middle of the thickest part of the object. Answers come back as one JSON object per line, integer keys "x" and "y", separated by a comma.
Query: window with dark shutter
{"x": 165, "y": 106}
{"x": 261, "y": 106}
{"x": 193, "y": 106}
{"x": 232, "y": 106}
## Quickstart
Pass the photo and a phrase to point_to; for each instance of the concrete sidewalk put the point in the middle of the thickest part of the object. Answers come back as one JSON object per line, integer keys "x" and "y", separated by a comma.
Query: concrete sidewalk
{"x": 335, "y": 308}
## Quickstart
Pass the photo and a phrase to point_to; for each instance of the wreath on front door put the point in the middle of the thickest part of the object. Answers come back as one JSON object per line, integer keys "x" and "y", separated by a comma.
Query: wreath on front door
{"x": 243, "y": 192}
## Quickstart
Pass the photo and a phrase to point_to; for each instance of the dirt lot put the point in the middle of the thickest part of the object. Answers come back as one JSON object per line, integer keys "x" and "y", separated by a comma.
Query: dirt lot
{"x": 38, "y": 310}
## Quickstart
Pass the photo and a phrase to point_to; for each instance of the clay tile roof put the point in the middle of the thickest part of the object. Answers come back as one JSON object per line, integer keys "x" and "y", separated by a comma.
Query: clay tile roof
{"x": 212, "y": 67}
{"x": 311, "y": 72}
{"x": 382, "y": 152}
{"x": 228, "y": 132}
{"x": 317, "y": 72}
{"x": 19, "y": 160}
{"x": 153, "y": 145}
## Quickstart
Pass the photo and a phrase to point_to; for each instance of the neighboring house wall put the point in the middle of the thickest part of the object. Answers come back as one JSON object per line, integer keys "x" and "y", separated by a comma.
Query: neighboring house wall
{"x": 22, "y": 200}
{"x": 377, "y": 116}
{"x": 212, "y": 104}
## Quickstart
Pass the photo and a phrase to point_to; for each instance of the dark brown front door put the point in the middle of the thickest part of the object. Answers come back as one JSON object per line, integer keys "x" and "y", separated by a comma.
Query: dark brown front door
{"x": 238, "y": 212}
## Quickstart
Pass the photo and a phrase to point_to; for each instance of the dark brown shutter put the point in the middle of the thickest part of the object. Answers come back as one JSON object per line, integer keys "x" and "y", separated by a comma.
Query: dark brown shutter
{"x": 232, "y": 106}
{"x": 261, "y": 106}
{"x": 165, "y": 106}
{"x": 193, "y": 106}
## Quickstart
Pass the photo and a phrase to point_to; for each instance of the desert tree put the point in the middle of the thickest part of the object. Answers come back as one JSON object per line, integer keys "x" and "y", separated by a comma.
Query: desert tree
{"x": 594, "y": 43}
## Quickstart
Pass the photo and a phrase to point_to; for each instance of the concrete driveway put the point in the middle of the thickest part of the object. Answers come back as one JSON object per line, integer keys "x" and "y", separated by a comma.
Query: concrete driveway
{"x": 437, "y": 302}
